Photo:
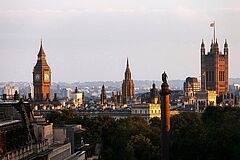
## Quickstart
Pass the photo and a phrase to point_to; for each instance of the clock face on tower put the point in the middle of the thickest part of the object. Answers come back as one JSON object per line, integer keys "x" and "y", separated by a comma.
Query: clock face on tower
{"x": 37, "y": 77}
{"x": 46, "y": 77}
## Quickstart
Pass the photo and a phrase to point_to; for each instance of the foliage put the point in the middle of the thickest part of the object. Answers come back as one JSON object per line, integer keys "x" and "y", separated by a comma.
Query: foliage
{"x": 212, "y": 135}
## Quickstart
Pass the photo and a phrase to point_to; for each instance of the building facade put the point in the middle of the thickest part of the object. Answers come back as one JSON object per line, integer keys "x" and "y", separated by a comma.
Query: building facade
{"x": 9, "y": 90}
{"x": 77, "y": 97}
{"x": 146, "y": 111}
{"x": 154, "y": 94}
{"x": 127, "y": 86}
{"x": 42, "y": 77}
{"x": 66, "y": 93}
{"x": 191, "y": 86}
{"x": 214, "y": 68}
{"x": 204, "y": 99}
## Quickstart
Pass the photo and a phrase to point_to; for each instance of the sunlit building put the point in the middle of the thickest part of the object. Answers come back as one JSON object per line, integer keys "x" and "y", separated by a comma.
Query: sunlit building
{"x": 191, "y": 86}
{"x": 214, "y": 68}
{"x": 127, "y": 86}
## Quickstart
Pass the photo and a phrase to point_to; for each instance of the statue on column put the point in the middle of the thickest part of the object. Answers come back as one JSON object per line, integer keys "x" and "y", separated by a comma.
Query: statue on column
{"x": 164, "y": 77}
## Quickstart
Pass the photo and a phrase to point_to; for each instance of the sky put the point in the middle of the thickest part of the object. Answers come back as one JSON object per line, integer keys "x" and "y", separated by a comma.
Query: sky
{"x": 90, "y": 40}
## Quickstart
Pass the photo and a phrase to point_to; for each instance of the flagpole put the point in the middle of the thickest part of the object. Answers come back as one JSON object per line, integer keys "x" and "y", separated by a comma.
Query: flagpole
{"x": 214, "y": 30}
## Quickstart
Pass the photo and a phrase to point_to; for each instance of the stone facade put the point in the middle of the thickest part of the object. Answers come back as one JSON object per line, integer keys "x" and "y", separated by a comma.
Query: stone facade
{"x": 214, "y": 69}
{"x": 127, "y": 86}
{"x": 191, "y": 86}
{"x": 42, "y": 77}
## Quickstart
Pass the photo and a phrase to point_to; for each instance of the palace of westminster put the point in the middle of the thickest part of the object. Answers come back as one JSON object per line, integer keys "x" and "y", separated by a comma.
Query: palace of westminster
{"x": 214, "y": 78}
{"x": 49, "y": 142}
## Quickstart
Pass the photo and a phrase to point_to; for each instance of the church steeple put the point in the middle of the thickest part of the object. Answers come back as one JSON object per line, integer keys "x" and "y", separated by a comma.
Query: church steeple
{"x": 127, "y": 85}
{"x": 128, "y": 71}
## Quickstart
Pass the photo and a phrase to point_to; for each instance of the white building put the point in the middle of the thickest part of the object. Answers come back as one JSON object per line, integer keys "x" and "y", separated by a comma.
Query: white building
{"x": 66, "y": 93}
{"x": 234, "y": 88}
{"x": 77, "y": 97}
{"x": 10, "y": 90}
{"x": 146, "y": 110}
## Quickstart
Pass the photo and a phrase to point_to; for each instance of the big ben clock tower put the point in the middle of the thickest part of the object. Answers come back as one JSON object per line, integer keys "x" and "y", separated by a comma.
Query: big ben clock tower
{"x": 42, "y": 77}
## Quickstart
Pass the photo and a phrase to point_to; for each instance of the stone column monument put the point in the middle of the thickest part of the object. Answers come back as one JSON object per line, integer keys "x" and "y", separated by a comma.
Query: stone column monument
{"x": 165, "y": 118}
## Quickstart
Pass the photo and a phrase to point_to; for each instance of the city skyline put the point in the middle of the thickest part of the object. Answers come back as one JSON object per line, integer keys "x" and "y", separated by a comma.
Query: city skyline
{"x": 87, "y": 41}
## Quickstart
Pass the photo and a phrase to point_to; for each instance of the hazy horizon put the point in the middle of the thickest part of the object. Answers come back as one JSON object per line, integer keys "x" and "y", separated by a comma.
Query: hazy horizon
{"x": 90, "y": 40}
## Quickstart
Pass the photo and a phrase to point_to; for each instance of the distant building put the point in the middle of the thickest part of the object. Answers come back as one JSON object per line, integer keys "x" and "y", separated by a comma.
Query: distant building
{"x": 103, "y": 96}
{"x": 127, "y": 86}
{"x": 230, "y": 100}
{"x": 234, "y": 88}
{"x": 214, "y": 68}
{"x": 191, "y": 87}
{"x": 149, "y": 97}
{"x": 42, "y": 77}
{"x": 146, "y": 111}
{"x": 66, "y": 93}
{"x": 77, "y": 97}
{"x": 154, "y": 94}
{"x": 204, "y": 99}
{"x": 116, "y": 98}
{"x": 9, "y": 90}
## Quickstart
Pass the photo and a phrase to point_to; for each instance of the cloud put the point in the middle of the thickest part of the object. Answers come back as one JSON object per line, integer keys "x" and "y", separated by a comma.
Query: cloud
{"x": 185, "y": 12}
{"x": 232, "y": 10}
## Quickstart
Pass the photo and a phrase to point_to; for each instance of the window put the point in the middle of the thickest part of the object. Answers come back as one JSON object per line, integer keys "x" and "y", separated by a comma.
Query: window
{"x": 221, "y": 75}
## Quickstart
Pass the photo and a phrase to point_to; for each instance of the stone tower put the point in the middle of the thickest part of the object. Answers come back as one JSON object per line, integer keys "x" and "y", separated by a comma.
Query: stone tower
{"x": 214, "y": 68}
{"x": 127, "y": 86}
{"x": 154, "y": 94}
{"x": 103, "y": 95}
{"x": 42, "y": 77}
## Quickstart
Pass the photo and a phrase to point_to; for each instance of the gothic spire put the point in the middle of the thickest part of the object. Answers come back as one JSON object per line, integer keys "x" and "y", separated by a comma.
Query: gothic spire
{"x": 202, "y": 48}
{"x": 202, "y": 45}
{"x": 225, "y": 47}
{"x": 225, "y": 44}
{"x": 41, "y": 51}
{"x": 127, "y": 72}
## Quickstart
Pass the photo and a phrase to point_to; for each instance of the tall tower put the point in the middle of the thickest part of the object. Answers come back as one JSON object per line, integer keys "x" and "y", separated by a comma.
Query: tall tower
{"x": 42, "y": 77}
{"x": 154, "y": 94}
{"x": 127, "y": 86}
{"x": 103, "y": 96}
{"x": 214, "y": 68}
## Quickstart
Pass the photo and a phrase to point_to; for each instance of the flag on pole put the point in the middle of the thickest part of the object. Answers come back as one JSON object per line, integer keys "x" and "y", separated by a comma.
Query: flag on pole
{"x": 212, "y": 24}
